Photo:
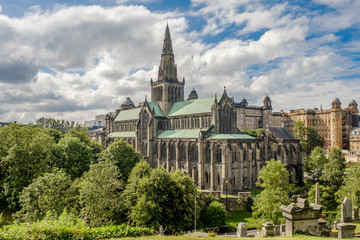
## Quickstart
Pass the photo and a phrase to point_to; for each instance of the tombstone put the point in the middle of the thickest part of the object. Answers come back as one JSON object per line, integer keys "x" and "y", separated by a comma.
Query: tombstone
{"x": 346, "y": 230}
{"x": 346, "y": 211}
{"x": 241, "y": 230}
{"x": 355, "y": 214}
{"x": 317, "y": 194}
{"x": 268, "y": 230}
{"x": 161, "y": 230}
{"x": 301, "y": 216}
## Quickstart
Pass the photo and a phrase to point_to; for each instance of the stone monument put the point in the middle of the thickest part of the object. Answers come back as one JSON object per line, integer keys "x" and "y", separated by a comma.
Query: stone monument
{"x": 317, "y": 194}
{"x": 301, "y": 216}
{"x": 345, "y": 228}
{"x": 241, "y": 230}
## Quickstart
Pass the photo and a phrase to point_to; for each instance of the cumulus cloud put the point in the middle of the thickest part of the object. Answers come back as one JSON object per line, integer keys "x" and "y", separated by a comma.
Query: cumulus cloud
{"x": 74, "y": 62}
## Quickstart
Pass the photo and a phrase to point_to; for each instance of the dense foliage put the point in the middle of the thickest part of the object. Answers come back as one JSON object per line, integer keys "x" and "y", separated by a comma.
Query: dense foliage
{"x": 68, "y": 226}
{"x": 253, "y": 132}
{"x": 274, "y": 178}
{"x": 57, "y": 124}
{"x": 315, "y": 164}
{"x": 309, "y": 138}
{"x": 214, "y": 215}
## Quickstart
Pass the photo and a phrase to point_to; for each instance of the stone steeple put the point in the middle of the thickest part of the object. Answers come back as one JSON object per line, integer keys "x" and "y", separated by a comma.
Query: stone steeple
{"x": 167, "y": 68}
{"x": 167, "y": 89}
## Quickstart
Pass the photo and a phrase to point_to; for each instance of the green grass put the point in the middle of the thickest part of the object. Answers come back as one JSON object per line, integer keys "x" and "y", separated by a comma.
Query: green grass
{"x": 245, "y": 217}
{"x": 208, "y": 238}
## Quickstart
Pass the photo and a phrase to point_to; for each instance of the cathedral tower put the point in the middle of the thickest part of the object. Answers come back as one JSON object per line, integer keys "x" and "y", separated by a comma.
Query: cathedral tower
{"x": 167, "y": 89}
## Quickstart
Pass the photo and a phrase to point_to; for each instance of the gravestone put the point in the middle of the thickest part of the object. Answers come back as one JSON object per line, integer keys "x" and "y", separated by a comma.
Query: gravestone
{"x": 241, "y": 230}
{"x": 346, "y": 211}
{"x": 355, "y": 214}
{"x": 345, "y": 228}
{"x": 268, "y": 230}
{"x": 161, "y": 230}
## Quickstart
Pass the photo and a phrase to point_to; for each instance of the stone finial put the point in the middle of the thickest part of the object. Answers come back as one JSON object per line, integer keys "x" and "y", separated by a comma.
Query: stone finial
{"x": 346, "y": 211}
{"x": 317, "y": 194}
{"x": 241, "y": 230}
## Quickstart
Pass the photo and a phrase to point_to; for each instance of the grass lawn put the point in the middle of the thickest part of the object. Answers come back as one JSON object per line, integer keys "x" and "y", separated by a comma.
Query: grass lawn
{"x": 245, "y": 217}
{"x": 207, "y": 238}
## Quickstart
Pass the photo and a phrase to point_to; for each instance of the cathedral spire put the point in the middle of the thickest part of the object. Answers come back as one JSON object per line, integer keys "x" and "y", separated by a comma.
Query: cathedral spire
{"x": 167, "y": 47}
{"x": 167, "y": 68}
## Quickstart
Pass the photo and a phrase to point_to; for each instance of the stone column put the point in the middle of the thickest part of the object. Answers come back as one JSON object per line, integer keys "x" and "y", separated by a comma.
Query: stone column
{"x": 187, "y": 158}
{"x": 201, "y": 165}
{"x": 224, "y": 172}
{"x": 177, "y": 155}
{"x": 241, "y": 169}
{"x": 168, "y": 156}
{"x": 212, "y": 167}
{"x": 159, "y": 154}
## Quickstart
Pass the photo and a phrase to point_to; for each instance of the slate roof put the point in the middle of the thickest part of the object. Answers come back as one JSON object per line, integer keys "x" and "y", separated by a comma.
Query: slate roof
{"x": 121, "y": 134}
{"x": 183, "y": 133}
{"x": 131, "y": 114}
{"x": 202, "y": 105}
{"x": 280, "y": 132}
{"x": 155, "y": 106}
{"x": 230, "y": 136}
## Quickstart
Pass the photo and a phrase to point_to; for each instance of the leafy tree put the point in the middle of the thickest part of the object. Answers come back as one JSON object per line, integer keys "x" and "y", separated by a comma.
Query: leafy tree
{"x": 45, "y": 194}
{"x": 351, "y": 186}
{"x": 73, "y": 156}
{"x": 100, "y": 196}
{"x": 57, "y": 135}
{"x": 165, "y": 199}
{"x": 25, "y": 153}
{"x": 141, "y": 170}
{"x": 327, "y": 197}
{"x": 274, "y": 178}
{"x": 253, "y": 132}
{"x": 334, "y": 169}
{"x": 123, "y": 155}
{"x": 309, "y": 138}
{"x": 60, "y": 125}
{"x": 214, "y": 215}
{"x": 315, "y": 164}
{"x": 332, "y": 178}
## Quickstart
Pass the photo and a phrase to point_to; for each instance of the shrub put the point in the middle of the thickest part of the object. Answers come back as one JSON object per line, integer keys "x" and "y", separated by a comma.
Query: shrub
{"x": 215, "y": 215}
{"x": 249, "y": 204}
{"x": 67, "y": 226}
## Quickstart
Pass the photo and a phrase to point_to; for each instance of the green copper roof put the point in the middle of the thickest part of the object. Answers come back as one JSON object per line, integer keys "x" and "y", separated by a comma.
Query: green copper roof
{"x": 187, "y": 133}
{"x": 202, "y": 105}
{"x": 121, "y": 134}
{"x": 230, "y": 136}
{"x": 131, "y": 114}
{"x": 155, "y": 106}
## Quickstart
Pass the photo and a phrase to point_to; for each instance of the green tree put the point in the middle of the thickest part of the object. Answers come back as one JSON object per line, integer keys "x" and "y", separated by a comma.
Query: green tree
{"x": 141, "y": 170}
{"x": 45, "y": 194}
{"x": 333, "y": 177}
{"x": 253, "y": 132}
{"x": 214, "y": 215}
{"x": 123, "y": 155}
{"x": 100, "y": 194}
{"x": 57, "y": 124}
{"x": 351, "y": 186}
{"x": 309, "y": 138}
{"x": 25, "y": 153}
{"x": 165, "y": 199}
{"x": 73, "y": 156}
{"x": 315, "y": 164}
{"x": 274, "y": 178}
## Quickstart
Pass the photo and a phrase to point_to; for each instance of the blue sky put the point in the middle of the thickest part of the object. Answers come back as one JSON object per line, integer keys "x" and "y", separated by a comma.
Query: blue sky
{"x": 76, "y": 59}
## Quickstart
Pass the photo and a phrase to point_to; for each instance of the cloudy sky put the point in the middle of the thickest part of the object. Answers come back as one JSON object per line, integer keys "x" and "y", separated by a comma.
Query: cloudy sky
{"x": 75, "y": 59}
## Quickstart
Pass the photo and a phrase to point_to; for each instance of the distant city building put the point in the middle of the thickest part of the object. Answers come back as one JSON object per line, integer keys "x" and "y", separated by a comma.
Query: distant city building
{"x": 334, "y": 124}
{"x": 355, "y": 142}
{"x": 254, "y": 117}
{"x": 99, "y": 122}
{"x": 200, "y": 136}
